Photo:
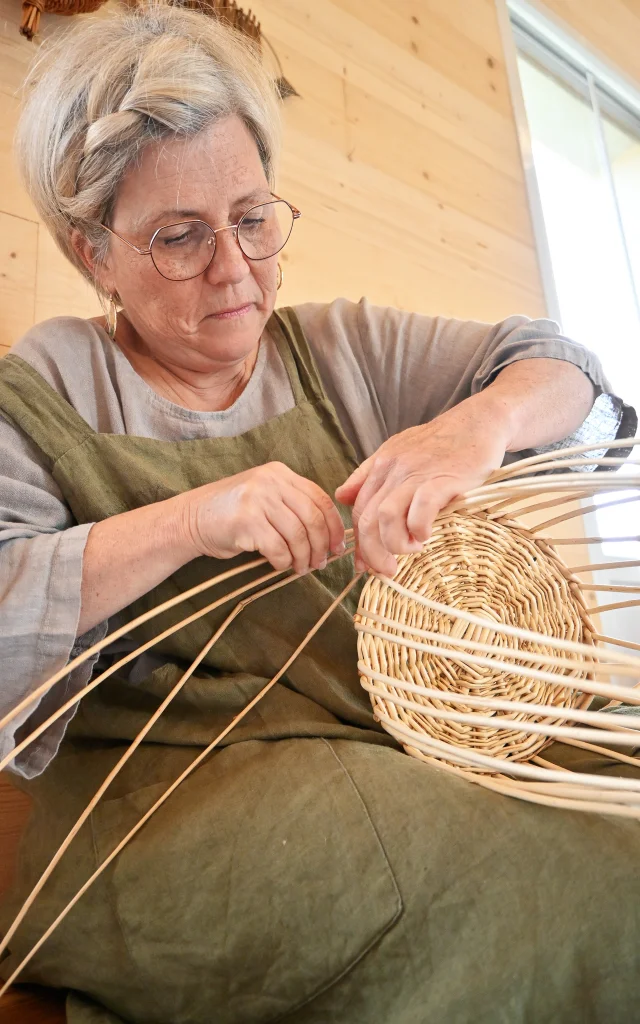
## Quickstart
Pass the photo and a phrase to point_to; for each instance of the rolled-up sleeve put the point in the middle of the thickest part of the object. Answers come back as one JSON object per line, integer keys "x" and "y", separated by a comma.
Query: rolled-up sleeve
{"x": 422, "y": 366}
{"x": 610, "y": 417}
{"x": 41, "y": 552}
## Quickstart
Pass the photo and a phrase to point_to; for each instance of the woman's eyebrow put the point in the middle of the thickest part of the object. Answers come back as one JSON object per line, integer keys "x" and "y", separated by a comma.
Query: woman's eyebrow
{"x": 163, "y": 217}
{"x": 257, "y": 194}
{"x": 173, "y": 216}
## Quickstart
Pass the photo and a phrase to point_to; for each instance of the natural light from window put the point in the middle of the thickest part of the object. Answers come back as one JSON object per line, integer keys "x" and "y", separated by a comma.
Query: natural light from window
{"x": 596, "y": 281}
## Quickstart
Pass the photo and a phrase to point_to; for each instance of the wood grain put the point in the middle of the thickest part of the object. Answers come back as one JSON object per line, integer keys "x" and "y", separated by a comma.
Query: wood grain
{"x": 14, "y": 811}
{"x": 611, "y": 26}
{"x": 18, "y": 264}
{"x": 32, "y": 1005}
{"x": 401, "y": 151}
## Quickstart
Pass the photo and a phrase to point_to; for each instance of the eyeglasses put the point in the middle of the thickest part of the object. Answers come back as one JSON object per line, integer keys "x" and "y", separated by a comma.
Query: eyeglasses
{"x": 185, "y": 250}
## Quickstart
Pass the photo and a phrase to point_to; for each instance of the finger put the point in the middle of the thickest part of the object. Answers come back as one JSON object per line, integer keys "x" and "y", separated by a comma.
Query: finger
{"x": 314, "y": 521}
{"x": 425, "y": 505}
{"x": 294, "y": 534}
{"x": 370, "y": 550}
{"x": 393, "y": 510}
{"x": 270, "y": 543}
{"x": 366, "y": 494}
{"x": 347, "y": 492}
{"x": 321, "y": 499}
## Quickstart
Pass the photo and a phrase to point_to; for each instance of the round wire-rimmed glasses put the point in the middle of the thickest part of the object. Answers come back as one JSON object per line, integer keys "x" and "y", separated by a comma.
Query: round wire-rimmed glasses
{"x": 184, "y": 250}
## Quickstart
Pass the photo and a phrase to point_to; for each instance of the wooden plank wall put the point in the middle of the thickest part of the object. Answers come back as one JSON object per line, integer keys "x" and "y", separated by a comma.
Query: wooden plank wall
{"x": 611, "y": 26}
{"x": 401, "y": 151}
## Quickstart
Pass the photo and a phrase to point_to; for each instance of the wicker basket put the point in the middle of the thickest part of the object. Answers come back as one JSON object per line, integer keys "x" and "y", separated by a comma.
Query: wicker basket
{"x": 482, "y": 651}
{"x": 492, "y": 570}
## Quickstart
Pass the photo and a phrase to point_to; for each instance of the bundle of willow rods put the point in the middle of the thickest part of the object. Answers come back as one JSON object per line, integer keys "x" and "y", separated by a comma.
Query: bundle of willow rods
{"x": 266, "y": 584}
{"x": 482, "y": 651}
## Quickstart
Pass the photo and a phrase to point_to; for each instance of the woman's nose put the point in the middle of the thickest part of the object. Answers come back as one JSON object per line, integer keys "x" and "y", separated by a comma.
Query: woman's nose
{"x": 229, "y": 264}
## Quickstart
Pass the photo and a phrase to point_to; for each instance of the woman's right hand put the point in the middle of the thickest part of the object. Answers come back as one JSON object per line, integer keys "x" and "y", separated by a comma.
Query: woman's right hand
{"x": 287, "y": 518}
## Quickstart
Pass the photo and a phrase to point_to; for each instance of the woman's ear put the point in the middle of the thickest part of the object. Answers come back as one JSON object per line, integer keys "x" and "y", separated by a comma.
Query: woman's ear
{"x": 85, "y": 251}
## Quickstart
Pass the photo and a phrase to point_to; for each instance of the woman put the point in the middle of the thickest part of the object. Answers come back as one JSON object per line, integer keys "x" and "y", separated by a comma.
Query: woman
{"x": 309, "y": 870}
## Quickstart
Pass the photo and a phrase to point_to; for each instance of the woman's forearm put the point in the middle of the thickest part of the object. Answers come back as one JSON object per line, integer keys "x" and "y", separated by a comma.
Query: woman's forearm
{"x": 539, "y": 400}
{"x": 129, "y": 554}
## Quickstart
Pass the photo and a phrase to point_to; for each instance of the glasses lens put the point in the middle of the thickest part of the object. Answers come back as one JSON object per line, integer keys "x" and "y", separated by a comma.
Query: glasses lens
{"x": 264, "y": 230}
{"x": 182, "y": 251}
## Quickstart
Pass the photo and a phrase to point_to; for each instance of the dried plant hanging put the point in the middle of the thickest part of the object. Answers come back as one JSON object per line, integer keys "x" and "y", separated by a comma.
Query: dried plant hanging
{"x": 479, "y": 654}
{"x": 227, "y": 10}
{"x": 32, "y": 9}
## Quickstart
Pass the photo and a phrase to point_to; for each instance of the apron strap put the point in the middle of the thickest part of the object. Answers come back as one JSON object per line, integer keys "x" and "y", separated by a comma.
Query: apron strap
{"x": 296, "y": 355}
{"x": 28, "y": 401}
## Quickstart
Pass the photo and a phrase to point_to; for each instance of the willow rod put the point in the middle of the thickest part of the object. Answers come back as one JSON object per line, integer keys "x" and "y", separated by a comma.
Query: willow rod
{"x": 513, "y": 767}
{"x": 571, "y": 682}
{"x": 601, "y": 638}
{"x": 597, "y": 609}
{"x": 499, "y": 627}
{"x": 493, "y": 511}
{"x": 600, "y": 666}
{"x": 145, "y": 617}
{"x": 194, "y": 764}
{"x": 597, "y": 566}
{"x": 145, "y": 647}
{"x": 64, "y": 846}
{"x": 122, "y": 631}
{"x": 582, "y": 512}
{"x": 557, "y": 541}
{"x": 509, "y": 788}
{"x": 578, "y": 449}
{"x": 489, "y": 702}
{"x": 505, "y": 724}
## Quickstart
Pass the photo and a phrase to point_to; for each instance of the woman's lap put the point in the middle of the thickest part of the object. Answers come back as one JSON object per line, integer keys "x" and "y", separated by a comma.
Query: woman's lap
{"x": 311, "y": 880}
{"x": 512, "y": 912}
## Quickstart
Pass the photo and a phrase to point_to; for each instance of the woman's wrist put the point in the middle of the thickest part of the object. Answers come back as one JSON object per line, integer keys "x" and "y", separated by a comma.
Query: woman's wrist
{"x": 482, "y": 415}
{"x": 179, "y": 537}
{"x": 128, "y": 554}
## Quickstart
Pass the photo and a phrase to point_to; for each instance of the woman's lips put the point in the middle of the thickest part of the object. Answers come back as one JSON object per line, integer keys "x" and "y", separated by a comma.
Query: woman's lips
{"x": 232, "y": 312}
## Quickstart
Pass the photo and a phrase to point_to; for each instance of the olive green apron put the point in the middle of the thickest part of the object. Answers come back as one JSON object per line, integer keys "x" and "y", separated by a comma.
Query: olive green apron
{"x": 308, "y": 871}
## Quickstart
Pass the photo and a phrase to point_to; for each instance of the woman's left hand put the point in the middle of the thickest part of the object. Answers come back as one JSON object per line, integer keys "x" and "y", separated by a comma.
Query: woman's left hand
{"x": 397, "y": 492}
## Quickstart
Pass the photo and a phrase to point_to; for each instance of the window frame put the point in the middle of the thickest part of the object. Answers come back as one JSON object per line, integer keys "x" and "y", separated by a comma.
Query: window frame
{"x": 550, "y": 43}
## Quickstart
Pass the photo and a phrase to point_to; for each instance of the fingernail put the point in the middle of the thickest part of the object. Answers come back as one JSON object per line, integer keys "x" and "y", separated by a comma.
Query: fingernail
{"x": 341, "y": 548}
{"x": 323, "y": 564}
{"x": 360, "y": 566}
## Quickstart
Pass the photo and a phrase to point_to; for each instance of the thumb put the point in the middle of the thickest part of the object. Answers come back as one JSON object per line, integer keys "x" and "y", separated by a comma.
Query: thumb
{"x": 347, "y": 493}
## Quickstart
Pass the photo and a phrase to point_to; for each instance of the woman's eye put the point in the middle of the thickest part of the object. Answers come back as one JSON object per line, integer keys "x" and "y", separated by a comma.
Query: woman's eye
{"x": 177, "y": 239}
{"x": 253, "y": 222}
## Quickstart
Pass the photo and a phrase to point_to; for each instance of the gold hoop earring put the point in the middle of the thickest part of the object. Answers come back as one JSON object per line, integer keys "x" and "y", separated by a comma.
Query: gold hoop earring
{"x": 280, "y": 278}
{"x": 112, "y": 317}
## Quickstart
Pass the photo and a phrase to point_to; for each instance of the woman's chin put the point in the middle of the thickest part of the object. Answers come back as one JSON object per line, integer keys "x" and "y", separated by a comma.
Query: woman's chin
{"x": 228, "y": 340}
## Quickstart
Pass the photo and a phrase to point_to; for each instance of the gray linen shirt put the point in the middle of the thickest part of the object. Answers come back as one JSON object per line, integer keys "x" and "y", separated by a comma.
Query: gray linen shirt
{"x": 383, "y": 369}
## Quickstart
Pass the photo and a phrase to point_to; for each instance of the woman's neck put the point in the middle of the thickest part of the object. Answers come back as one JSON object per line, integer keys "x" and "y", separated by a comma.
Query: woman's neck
{"x": 201, "y": 391}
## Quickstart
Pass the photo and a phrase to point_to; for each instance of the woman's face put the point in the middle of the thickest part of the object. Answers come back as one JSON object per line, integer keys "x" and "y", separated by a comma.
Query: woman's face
{"x": 215, "y": 176}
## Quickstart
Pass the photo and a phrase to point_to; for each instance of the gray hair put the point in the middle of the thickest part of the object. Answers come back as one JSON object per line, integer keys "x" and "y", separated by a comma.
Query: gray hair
{"x": 108, "y": 87}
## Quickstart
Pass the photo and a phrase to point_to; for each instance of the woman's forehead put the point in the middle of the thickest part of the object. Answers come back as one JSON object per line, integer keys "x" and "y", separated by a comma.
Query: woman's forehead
{"x": 211, "y": 173}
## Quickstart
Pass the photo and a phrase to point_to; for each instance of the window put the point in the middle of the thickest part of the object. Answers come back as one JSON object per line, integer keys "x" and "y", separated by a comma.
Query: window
{"x": 580, "y": 134}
